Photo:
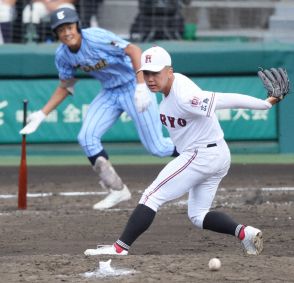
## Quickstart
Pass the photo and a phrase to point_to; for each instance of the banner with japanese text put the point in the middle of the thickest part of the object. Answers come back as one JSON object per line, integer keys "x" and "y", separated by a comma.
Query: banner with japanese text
{"x": 64, "y": 123}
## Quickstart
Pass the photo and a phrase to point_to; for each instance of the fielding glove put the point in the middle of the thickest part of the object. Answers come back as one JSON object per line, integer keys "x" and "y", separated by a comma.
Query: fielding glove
{"x": 142, "y": 97}
{"x": 33, "y": 120}
{"x": 276, "y": 82}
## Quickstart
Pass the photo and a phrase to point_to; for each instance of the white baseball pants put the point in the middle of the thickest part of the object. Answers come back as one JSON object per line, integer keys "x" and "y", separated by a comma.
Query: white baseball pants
{"x": 198, "y": 173}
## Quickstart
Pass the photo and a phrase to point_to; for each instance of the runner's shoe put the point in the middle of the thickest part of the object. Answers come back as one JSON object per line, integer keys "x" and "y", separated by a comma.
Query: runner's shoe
{"x": 113, "y": 198}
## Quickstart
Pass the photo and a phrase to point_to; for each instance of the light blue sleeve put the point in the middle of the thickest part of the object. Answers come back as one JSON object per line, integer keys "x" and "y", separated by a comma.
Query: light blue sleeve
{"x": 65, "y": 70}
{"x": 102, "y": 36}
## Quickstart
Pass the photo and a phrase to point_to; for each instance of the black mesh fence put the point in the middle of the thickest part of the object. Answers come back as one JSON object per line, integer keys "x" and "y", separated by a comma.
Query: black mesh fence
{"x": 137, "y": 20}
{"x": 158, "y": 19}
{"x": 27, "y": 21}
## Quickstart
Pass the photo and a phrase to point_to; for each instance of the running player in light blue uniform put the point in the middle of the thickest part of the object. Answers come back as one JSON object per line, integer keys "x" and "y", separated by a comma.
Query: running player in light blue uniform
{"x": 113, "y": 61}
{"x": 102, "y": 55}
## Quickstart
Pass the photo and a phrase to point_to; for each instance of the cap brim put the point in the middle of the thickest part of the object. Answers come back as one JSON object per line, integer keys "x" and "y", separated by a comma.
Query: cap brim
{"x": 151, "y": 68}
{"x": 62, "y": 22}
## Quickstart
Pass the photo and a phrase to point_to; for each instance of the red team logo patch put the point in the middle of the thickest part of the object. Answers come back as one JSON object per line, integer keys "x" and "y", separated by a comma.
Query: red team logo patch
{"x": 195, "y": 102}
{"x": 148, "y": 59}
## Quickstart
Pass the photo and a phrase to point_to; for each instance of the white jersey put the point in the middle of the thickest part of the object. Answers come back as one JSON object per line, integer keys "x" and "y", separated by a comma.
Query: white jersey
{"x": 188, "y": 114}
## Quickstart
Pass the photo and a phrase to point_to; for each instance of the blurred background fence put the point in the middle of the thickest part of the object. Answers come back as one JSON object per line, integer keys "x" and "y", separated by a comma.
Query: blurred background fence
{"x": 146, "y": 20}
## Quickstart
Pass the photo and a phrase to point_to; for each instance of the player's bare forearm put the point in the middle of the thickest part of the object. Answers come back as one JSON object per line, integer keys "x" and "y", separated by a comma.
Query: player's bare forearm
{"x": 272, "y": 100}
{"x": 58, "y": 96}
{"x": 140, "y": 78}
{"x": 134, "y": 52}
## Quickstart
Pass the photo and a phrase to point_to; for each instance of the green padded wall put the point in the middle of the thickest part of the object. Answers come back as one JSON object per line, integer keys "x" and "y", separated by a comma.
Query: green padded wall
{"x": 218, "y": 66}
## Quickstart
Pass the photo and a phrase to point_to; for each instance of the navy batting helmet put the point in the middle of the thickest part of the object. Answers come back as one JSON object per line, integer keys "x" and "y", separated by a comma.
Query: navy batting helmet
{"x": 63, "y": 16}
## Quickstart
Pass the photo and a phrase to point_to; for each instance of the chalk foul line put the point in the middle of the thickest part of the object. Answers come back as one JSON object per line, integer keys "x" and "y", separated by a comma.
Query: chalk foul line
{"x": 66, "y": 194}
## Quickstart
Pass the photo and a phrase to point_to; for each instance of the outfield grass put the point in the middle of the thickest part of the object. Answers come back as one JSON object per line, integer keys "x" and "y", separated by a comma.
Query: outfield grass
{"x": 140, "y": 159}
{"x": 71, "y": 154}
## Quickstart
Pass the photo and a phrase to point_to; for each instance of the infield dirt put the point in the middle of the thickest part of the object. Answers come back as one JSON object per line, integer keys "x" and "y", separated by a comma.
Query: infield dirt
{"x": 45, "y": 242}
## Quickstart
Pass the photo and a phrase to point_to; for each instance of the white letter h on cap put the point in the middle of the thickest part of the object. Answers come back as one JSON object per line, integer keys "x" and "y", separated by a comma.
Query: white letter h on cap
{"x": 148, "y": 59}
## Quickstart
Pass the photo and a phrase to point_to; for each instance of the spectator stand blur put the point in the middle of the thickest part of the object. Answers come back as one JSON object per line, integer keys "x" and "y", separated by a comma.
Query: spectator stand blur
{"x": 219, "y": 20}
{"x": 281, "y": 22}
{"x": 36, "y": 18}
{"x": 158, "y": 19}
{"x": 88, "y": 12}
{"x": 7, "y": 16}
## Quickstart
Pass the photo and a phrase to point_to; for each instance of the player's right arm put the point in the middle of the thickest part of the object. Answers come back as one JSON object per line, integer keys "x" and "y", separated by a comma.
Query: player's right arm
{"x": 36, "y": 118}
{"x": 58, "y": 96}
{"x": 241, "y": 101}
{"x": 275, "y": 81}
{"x": 65, "y": 87}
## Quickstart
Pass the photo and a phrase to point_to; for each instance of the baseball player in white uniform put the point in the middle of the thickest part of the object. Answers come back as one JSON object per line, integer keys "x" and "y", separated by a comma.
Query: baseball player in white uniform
{"x": 189, "y": 115}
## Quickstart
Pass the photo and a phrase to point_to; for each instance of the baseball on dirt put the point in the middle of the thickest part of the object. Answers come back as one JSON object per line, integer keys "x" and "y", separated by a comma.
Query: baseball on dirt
{"x": 214, "y": 264}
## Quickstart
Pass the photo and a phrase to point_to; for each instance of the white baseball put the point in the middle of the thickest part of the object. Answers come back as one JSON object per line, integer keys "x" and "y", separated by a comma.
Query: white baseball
{"x": 214, "y": 264}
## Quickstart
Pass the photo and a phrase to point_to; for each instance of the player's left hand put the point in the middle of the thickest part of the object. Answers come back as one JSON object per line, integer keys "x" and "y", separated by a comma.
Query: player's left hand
{"x": 276, "y": 82}
{"x": 142, "y": 97}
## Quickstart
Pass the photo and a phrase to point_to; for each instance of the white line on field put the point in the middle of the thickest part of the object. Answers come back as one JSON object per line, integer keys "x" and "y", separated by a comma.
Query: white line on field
{"x": 82, "y": 193}
{"x": 285, "y": 189}
{"x": 281, "y": 189}
{"x": 38, "y": 195}
{"x": 70, "y": 194}
{"x": 7, "y": 196}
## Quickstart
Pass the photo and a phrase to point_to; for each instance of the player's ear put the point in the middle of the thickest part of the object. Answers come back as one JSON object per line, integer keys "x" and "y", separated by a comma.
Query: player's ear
{"x": 55, "y": 34}
{"x": 78, "y": 26}
{"x": 170, "y": 72}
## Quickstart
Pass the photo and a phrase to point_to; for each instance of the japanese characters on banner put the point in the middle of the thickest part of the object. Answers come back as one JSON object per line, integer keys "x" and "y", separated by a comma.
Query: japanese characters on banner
{"x": 63, "y": 124}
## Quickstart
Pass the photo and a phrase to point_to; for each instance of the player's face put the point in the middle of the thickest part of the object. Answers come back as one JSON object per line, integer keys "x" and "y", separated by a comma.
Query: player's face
{"x": 69, "y": 35}
{"x": 159, "y": 81}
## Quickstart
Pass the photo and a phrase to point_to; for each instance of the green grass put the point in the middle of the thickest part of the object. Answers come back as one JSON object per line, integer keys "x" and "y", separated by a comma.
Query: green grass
{"x": 140, "y": 159}
{"x": 263, "y": 158}
{"x": 71, "y": 154}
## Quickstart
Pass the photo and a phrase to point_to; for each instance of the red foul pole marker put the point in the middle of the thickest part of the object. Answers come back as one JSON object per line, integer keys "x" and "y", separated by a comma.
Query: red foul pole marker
{"x": 22, "y": 177}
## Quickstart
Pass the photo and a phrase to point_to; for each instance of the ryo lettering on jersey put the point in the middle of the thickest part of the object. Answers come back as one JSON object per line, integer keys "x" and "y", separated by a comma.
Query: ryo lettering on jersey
{"x": 172, "y": 121}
